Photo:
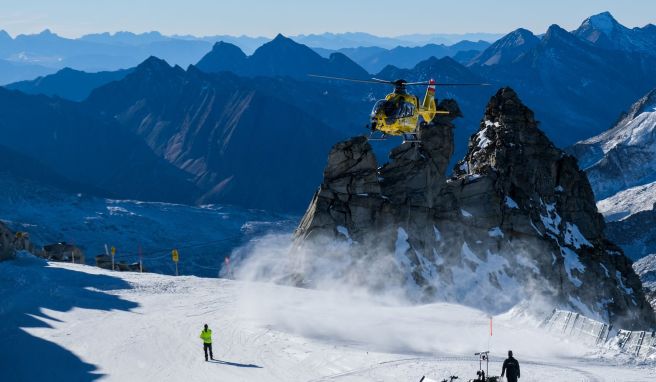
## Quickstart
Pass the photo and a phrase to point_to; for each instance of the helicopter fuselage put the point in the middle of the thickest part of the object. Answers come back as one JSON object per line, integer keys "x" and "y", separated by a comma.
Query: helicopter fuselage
{"x": 400, "y": 112}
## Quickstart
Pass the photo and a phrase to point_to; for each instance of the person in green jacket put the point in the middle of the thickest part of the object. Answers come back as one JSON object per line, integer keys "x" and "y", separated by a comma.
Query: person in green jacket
{"x": 206, "y": 336}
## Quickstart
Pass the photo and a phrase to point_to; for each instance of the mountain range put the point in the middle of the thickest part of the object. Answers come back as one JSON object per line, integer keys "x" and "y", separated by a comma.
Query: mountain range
{"x": 374, "y": 59}
{"x": 577, "y": 86}
{"x": 67, "y": 83}
{"x": 238, "y": 100}
{"x": 27, "y": 56}
{"x": 280, "y": 57}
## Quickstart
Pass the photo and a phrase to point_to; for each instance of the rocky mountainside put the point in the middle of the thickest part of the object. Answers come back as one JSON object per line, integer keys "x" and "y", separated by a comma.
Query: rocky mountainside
{"x": 60, "y": 142}
{"x": 625, "y": 155}
{"x": 621, "y": 166}
{"x": 516, "y": 224}
{"x": 636, "y": 233}
{"x": 231, "y": 135}
{"x": 279, "y": 57}
{"x": 646, "y": 270}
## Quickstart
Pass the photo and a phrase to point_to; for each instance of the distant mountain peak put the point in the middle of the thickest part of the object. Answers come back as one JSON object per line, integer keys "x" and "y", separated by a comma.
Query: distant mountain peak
{"x": 281, "y": 56}
{"x": 649, "y": 28}
{"x": 555, "y": 30}
{"x": 508, "y": 48}
{"x": 605, "y": 32}
{"x": 603, "y": 22}
{"x": 154, "y": 64}
{"x": 47, "y": 32}
{"x": 556, "y": 34}
{"x": 281, "y": 40}
{"x": 154, "y": 61}
{"x": 224, "y": 56}
{"x": 521, "y": 35}
{"x": 222, "y": 47}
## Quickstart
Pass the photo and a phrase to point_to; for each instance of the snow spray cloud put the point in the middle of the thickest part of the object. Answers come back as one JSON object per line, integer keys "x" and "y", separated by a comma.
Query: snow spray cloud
{"x": 365, "y": 300}
{"x": 393, "y": 267}
{"x": 330, "y": 265}
{"x": 389, "y": 268}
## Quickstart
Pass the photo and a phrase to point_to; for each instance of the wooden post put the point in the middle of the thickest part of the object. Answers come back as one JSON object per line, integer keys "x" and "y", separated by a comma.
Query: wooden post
{"x": 175, "y": 255}
{"x": 140, "y": 260}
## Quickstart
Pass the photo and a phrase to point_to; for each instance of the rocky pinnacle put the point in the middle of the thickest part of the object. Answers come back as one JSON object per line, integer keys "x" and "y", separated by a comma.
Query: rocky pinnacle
{"x": 516, "y": 222}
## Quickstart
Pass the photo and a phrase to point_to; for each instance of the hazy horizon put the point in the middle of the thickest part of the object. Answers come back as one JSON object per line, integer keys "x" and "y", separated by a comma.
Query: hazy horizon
{"x": 253, "y": 18}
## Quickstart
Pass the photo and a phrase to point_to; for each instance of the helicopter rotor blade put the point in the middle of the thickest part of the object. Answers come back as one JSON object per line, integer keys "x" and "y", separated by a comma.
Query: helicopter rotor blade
{"x": 383, "y": 81}
{"x": 446, "y": 84}
{"x": 372, "y": 81}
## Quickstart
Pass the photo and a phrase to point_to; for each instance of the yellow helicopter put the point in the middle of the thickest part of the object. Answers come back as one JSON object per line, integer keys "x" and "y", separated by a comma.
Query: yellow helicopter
{"x": 400, "y": 113}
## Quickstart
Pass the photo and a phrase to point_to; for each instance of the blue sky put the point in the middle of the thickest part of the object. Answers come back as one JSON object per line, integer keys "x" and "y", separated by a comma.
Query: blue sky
{"x": 266, "y": 18}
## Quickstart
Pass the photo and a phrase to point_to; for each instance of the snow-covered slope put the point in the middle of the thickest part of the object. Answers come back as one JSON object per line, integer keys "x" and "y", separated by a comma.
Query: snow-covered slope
{"x": 628, "y": 202}
{"x": 621, "y": 166}
{"x": 646, "y": 269}
{"x": 624, "y": 156}
{"x": 604, "y": 31}
{"x": 203, "y": 235}
{"x": 631, "y": 219}
{"x": 67, "y": 322}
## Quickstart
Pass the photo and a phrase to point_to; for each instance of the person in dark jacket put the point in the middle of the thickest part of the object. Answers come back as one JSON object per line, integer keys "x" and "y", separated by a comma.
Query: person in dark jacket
{"x": 510, "y": 368}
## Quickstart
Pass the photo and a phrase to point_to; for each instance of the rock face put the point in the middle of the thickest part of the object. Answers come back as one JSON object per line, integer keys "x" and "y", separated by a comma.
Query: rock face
{"x": 6, "y": 242}
{"x": 636, "y": 233}
{"x": 517, "y": 222}
{"x": 646, "y": 270}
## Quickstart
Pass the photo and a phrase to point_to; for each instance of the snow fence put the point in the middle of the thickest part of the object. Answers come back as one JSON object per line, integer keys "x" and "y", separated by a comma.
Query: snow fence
{"x": 591, "y": 332}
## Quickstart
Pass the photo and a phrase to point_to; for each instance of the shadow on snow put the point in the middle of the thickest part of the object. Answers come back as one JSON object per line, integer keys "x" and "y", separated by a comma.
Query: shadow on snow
{"x": 235, "y": 364}
{"x": 27, "y": 287}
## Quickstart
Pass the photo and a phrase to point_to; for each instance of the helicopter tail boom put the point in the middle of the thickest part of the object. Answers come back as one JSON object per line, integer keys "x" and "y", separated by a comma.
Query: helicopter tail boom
{"x": 429, "y": 98}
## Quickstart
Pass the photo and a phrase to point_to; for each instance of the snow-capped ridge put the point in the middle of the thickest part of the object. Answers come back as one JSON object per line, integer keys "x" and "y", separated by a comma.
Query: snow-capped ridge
{"x": 625, "y": 155}
{"x": 604, "y": 22}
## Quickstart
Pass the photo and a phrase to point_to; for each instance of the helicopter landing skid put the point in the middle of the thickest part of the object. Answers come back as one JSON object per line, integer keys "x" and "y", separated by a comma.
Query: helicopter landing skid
{"x": 372, "y": 137}
{"x": 411, "y": 138}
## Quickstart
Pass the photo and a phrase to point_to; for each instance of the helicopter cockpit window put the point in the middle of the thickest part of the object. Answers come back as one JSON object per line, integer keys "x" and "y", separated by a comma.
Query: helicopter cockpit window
{"x": 380, "y": 105}
{"x": 405, "y": 109}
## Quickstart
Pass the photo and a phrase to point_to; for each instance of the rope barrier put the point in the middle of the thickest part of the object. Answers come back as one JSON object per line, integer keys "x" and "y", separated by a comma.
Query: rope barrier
{"x": 156, "y": 254}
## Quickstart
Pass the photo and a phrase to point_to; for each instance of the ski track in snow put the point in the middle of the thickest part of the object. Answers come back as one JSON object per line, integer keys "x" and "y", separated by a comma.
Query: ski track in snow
{"x": 145, "y": 327}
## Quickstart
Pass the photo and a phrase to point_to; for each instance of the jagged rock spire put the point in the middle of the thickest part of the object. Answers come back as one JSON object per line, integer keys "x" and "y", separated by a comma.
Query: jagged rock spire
{"x": 517, "y": 221}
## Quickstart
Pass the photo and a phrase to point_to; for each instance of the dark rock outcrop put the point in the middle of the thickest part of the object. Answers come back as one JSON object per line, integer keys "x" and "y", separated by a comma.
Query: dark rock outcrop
{"x": 6, "y": 242}
{"x": 63, "y": 252}
{"x": 516, "y": 223}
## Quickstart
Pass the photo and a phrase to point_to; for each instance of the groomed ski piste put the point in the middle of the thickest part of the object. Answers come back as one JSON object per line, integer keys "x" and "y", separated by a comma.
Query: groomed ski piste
{"x": 68, "y": 322}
